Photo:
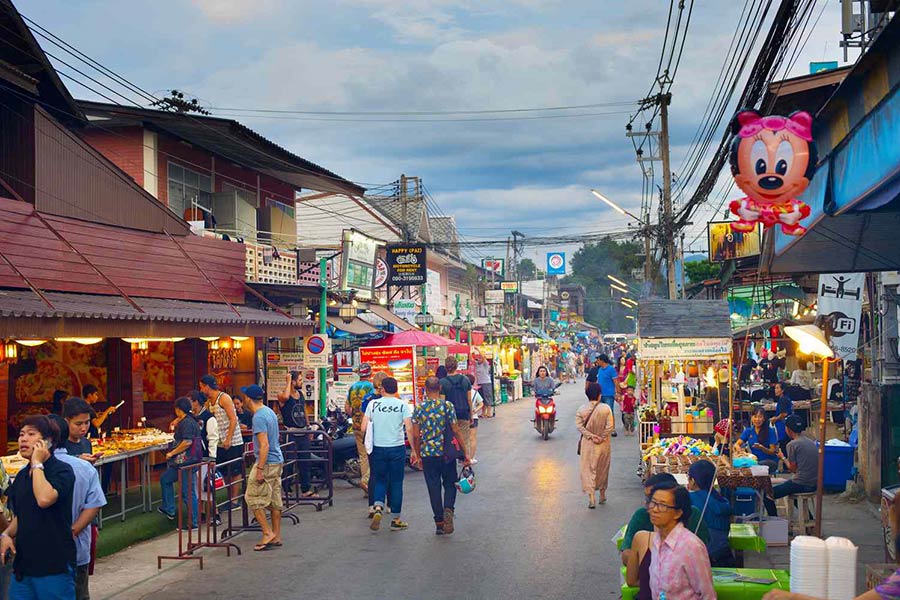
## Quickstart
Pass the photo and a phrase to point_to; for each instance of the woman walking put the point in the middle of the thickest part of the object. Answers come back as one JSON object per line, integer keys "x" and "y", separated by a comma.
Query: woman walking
{"x": 595, "y": 422}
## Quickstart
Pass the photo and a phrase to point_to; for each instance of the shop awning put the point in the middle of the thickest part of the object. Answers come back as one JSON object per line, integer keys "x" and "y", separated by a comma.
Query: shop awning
{"x": 356, "y": 327}
{"x": 390, "y": 317}
{"x": 24, "y": 315}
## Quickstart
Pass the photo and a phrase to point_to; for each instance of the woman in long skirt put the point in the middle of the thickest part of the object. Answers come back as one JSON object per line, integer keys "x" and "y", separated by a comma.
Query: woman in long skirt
{"x": 595, "y": 422}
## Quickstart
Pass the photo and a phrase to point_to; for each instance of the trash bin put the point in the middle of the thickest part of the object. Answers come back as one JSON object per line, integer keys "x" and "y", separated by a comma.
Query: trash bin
{"x": 838, "y": 467}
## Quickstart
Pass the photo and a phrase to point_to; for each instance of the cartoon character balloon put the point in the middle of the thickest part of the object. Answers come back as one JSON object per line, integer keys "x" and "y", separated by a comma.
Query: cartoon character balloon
{"x": 772, "y": 160}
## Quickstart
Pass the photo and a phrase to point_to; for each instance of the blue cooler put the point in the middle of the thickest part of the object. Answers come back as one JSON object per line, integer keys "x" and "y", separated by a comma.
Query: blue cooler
{"x": 838, "y": 467}
{"x": 744, "y": 501}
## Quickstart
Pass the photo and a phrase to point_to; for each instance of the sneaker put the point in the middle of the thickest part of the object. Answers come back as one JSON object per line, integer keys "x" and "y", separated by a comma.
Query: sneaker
{"x": 165, "y": 514}
{"x": 474, "y": 461}
{"x": 398, "y": 525}
{"x": 439, "y": 528}
{"x": 188, "y": 528}
{"x": 614, "y": 434}
{"x": 216, "y": 520}
{"x": 375, "y": 525}
{"x": 371, "y": 511}
{"x": 448, "y": 521}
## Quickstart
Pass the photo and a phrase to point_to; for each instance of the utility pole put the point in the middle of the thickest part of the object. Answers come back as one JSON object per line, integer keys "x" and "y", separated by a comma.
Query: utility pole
{"x": 668, "y": 224}
{"x": 683, "y": 289}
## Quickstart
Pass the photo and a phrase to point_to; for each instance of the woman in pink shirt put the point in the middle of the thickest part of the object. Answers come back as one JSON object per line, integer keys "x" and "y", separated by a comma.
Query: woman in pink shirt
{"x": 680, "y": 567}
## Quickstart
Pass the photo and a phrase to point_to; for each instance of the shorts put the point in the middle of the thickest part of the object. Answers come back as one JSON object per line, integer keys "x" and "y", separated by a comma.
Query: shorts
{"x": 225, "y": 456}
{"x": 474, "y": 423}
{"x": 265, "y": 494}
{"x": 628, "y": 421}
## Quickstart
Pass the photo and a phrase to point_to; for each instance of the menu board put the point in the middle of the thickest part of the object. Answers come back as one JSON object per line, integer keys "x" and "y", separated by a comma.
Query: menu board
{"x": 278, "y": 368}
{"x": 398, "y": 362}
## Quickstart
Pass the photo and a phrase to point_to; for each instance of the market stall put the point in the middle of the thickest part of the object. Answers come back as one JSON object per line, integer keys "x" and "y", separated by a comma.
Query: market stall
{"x": 680, "y": 343}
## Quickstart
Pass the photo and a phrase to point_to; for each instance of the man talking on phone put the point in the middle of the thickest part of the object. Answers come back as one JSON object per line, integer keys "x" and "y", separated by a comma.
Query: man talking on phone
{"x": 39, "y": 539}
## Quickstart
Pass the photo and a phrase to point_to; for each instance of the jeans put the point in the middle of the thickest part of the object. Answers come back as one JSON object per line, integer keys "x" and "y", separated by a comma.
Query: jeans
{"x": 785, "y": 489}
{"x": 167, "y": 483}
{"x": 6, "y": 575}
{"x": 49, "y": 587}
{"x": 387, "y": 466}
{"x": 82, "y": 588}
{"x": 440, "y": 473}
{"x": 610, "y": 401}
{"x": 300, "y": 452}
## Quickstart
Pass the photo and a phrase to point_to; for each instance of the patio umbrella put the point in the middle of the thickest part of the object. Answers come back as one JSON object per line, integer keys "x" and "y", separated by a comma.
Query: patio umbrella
{"x": 413, "y": 337}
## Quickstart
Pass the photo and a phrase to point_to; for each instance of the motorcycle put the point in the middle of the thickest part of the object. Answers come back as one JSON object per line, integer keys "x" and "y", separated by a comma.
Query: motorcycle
{"x": 345, "y": 458}
{"x": 545, "y": 414}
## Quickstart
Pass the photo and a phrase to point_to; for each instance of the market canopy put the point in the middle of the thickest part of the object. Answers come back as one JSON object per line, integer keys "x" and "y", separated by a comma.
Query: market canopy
{"x": 413, "y": 337}
{"x": 355, "y": 327}
{"x": 684, "y": 329}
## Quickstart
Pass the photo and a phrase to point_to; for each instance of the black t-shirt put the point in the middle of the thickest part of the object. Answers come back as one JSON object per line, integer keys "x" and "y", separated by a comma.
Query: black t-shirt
{"x": 292, "y": 414}
{"x": 82, "y": 446}
{"x": 592, "y": 374}
{"x": 44, "y": 542}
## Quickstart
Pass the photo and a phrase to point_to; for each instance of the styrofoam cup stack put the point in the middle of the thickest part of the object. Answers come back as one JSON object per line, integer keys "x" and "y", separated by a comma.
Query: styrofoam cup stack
{"x": 841, "y": 568}
{"x": 809, "y": 566}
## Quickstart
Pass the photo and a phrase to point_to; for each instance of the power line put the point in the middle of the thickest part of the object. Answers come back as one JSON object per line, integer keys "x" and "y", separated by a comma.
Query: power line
{"x": 397, "y": 113}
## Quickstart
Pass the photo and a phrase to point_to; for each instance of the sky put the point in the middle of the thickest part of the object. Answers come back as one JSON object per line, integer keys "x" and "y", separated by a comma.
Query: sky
{"x": 533, "y": 175}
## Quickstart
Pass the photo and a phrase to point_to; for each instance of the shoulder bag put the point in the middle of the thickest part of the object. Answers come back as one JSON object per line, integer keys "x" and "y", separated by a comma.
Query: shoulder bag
{"x": 588, "y": 420}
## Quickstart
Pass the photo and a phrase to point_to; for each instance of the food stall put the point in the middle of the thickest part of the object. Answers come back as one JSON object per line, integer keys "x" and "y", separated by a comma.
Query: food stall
{"x": 679, "y": 343}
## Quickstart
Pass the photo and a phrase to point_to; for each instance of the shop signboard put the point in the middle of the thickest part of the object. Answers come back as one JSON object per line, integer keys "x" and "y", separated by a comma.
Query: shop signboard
{"x": 494, "y": 297}
{"x": 381, "y": 273}
{"x": 337, "y": 394}
{"x": 278, "y": 368}
{"x": 398, "y": 362}
{"x": 405, "y": 309}
{"x": 726, "y": 244}
{"x": 556, "y": 263}
{"x": 317, "y": 351}
{"x": 840, "y": 303}
{"x": 358, "y": 264}
{"x": 495, "y": 266}
{"x": 407, "y": 264}
{"x": 684, "y": 348}
{"x": 434, "y": 297}
{"x": 510, "y": 287}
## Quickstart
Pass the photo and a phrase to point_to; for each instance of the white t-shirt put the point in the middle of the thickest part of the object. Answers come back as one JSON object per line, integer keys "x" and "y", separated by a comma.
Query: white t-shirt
{"x": 387, "y": 415}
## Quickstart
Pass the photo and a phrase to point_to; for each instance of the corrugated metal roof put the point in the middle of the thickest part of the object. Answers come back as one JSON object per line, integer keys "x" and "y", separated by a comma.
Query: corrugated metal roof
{"x": 684, "y": 319}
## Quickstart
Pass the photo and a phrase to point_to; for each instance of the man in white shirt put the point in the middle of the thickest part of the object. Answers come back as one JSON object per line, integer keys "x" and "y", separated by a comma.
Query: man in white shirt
{"x": 485, "y": 384}
{"x": 389, "y": 416}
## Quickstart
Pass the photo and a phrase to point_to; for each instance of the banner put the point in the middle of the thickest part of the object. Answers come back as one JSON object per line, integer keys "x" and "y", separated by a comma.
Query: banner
{"x": 398, "y": 362}
{"x": 556, "y": 263}
{"x": 494, "y": 296}
{"x": 725, "y": 244}
{"x": 840, "y": 303}
{"x": 407, "y": 264}
{"x": 434, "y": 297}
{"x": 684, "y": 348}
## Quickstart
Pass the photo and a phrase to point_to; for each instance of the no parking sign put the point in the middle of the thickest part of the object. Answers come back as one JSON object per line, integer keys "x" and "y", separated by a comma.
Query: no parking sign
{"x": 316, "y": 349}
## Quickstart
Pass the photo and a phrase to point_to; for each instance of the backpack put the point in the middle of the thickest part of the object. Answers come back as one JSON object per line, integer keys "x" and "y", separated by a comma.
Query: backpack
{"x": 458, "y": 396}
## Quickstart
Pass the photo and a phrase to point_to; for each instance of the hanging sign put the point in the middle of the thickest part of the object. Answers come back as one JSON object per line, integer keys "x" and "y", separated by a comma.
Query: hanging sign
{"x": 840, "y": 303}
{"x": 556, "y": 263}
{"x": 316, "y": 351}
{"x": 772, "y": 159}
{"x": 494, "y": 297}
{"x": 683, "y": 348}
{"x": 358, "y": 263}
{"x": 407, "y": 264}
{"x": 405, "y": 309}
{"x": 497, "y": 266}
{"x": 509, "y": 286}
{"x": 381, "y": 272}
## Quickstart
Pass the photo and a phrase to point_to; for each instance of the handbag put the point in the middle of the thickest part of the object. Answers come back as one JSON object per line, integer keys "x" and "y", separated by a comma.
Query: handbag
{"x": 588, "y": 420}
{"x": 369, "y": 440}
{"x": 192, "y": 455}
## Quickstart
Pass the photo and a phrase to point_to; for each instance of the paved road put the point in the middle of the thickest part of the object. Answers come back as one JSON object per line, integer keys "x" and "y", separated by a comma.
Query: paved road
{"x": 526, "y": 532}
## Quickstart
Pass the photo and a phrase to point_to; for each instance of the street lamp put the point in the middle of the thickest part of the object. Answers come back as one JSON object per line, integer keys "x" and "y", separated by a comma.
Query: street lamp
{"x": 812, "y": 339}
{"x": 616, "y": 207}
{"x": 618, "y": 288}
{"x": 616, "y": 280}
{"x": 424, "y": 320}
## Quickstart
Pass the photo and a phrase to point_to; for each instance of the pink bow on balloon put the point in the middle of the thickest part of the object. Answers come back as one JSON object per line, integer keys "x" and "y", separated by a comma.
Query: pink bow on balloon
{"x": 799, "y": 123}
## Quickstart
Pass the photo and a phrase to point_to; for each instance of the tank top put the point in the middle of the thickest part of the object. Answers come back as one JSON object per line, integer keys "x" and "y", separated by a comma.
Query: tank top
{"x": 223, "y": 423}
{"x": 644, "y": 578}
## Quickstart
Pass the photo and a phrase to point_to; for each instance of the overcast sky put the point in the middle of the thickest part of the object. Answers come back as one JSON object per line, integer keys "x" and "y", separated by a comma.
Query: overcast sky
{"x": 435, "y": 55}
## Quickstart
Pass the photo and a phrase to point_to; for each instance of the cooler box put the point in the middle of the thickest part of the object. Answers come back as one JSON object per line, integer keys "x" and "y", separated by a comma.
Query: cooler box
{"x": 744, "y": 501}
{"x": 838, "y": 467}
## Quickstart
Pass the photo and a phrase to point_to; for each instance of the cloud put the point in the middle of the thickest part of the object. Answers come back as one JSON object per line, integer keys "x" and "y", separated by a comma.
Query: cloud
{"x": 229, "y": 12}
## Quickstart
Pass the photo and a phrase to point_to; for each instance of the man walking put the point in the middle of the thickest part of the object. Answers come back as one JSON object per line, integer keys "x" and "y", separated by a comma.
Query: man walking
{"x": 389, "y": 415}
{"x": 39, "y": 539}
{"x": 457, "y": 389}
{"x": 592, "y": 373}
{"x": 432, "y": 419}
{"x": 607, "y": 377}
{"x": 485, "y": 383}
{"x": 355, "y": 395}
{"x": 264, "y": 482}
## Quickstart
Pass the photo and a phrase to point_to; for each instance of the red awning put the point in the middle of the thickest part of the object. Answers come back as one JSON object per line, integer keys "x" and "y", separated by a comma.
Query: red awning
{"x": 413, "y": 337}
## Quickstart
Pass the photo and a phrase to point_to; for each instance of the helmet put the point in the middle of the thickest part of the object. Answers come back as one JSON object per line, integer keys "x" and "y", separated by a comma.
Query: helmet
{"x": 466, "y": 483}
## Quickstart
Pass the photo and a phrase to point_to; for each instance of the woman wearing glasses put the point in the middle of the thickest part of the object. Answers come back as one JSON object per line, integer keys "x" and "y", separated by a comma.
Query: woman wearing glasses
{"x": 679, "y": 569}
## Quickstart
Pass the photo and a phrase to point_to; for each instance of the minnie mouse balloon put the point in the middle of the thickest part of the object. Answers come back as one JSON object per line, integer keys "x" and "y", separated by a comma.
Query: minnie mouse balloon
{"x": 772, "y": 159}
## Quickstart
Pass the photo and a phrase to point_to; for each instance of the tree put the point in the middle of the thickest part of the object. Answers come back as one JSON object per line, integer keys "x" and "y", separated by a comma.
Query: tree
{"x": 590, "y": 266}
{"x": 527, "y": 269}
{"x": 701, "y": 270}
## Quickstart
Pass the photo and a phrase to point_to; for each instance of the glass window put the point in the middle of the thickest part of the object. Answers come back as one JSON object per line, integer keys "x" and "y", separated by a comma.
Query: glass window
{"x": 187, "y": 186}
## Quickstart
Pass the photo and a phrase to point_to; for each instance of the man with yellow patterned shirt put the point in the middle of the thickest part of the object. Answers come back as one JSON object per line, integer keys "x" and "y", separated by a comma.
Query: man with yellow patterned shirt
{"x": 358, "y": 391}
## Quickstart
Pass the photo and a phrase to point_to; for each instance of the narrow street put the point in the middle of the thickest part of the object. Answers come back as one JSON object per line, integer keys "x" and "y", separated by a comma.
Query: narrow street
{"x": 526, "y": 532}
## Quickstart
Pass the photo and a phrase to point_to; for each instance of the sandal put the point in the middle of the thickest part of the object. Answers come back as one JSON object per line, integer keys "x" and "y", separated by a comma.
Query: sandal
{"x": 261, "y": 547}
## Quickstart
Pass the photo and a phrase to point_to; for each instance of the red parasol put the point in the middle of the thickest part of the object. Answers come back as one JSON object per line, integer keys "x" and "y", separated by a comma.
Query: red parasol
{"x": 413, "y": 337}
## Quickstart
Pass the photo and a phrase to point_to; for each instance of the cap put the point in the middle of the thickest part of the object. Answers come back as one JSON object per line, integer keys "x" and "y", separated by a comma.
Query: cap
{"x": 254, "y": 392}
{"x": 365, "y": 370}
{"x": 794, "y": 423}
{"x": 210, "y": 380}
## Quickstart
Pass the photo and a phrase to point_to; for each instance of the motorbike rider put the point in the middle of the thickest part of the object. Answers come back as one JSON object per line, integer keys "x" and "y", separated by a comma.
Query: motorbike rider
{"x": 544, "y": 385}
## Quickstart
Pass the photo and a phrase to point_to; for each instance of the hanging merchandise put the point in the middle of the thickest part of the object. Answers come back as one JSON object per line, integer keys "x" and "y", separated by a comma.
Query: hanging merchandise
{"x": 773, "y": 158}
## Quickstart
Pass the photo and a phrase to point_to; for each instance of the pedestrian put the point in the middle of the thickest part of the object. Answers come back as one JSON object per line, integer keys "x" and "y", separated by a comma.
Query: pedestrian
{"x": 87, "y": 500}
{"x": 353, "y": 407}
{"x": 77, "y": 414}
{"x": 802, "y": 460}
{"x": 592, "y": 373}
{"x": 607, "y": 376}
{"x": 209, "y": 437}
{"x": 715, "y": 509}
{"x": 264, "y": 482}
{"x": 477, "y": 406}
{"x": 457, "y": 388}
{"x": 377, "y": 378}
{"x": 293, "y": 416}
{"x": 389, "y": 416}
{"x": 434, "y": 422}
{"x": 39, "y": 539}
{"x": 485, "y": 383}
{"x": 187, "y": 450}
{"x": 679, "y": 569}
{"x": 784, "y": 407}
{"x": 6, "y": 570}
{"x": 595, "y": 422}
{"x": 627, "y": 407}
{"x": 230, "y": 452}
{"x": 245, "y": 419}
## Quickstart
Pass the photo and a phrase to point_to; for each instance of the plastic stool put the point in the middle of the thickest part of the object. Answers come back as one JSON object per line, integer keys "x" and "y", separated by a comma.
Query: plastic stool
{"x": 804, "y": 501}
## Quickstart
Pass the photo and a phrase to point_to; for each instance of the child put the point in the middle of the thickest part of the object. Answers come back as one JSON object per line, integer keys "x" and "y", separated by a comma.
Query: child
{"x": 628, "y": 402}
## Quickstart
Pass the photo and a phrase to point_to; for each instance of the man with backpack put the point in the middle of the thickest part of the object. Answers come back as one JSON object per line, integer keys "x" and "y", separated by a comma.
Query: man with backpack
{"x": 457, "y": 389}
